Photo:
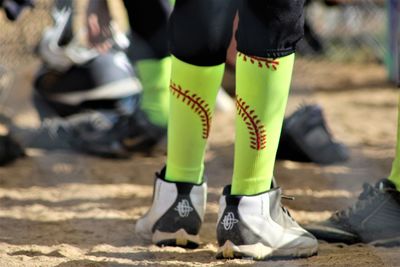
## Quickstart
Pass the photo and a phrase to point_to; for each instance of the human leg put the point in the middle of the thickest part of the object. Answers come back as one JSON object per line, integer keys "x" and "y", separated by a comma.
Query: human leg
{"x": 251, "y": 220}
{"x": 200, "y": 34}
{"x": 394, "y": 176}
{"x": 148, "y": 20}
{"x": 267, "y": 35}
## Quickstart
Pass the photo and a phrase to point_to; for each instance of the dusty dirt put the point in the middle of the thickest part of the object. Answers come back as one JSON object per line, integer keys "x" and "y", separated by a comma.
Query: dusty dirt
{"x": 65, "y": 209}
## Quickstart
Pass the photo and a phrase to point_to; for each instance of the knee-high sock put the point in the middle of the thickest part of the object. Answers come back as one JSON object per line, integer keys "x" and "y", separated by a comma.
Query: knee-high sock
{"x": 395, "y": 173}
{"x": 155, "y": 75}
{"x": 193, "y": 92}
{"x": 262, "y": 88}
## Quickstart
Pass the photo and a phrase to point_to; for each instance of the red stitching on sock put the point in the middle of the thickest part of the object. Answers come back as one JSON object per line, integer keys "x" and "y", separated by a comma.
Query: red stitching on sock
{"x": 261, "y": 61}
{"x": 258, "y": 137}
{"x": 197, "y": 104}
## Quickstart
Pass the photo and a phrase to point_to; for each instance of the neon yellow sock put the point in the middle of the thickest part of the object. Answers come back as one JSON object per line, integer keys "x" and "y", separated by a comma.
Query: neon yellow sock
{"x": 154, "y": 76}
{"x": 395, "y": 173}
{"x": 262, "y": 88}
{"x": 193, "y": 94}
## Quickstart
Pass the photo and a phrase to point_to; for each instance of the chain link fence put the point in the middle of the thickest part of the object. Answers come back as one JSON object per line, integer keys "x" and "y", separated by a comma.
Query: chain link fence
{"x": 348, "y": 31}
{"x": 342, "y": 38}
{"x": 18, "y": 39}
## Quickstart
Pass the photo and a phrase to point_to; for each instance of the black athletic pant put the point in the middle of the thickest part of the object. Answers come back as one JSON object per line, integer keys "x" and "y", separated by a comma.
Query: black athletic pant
{"x": 200, "y": 30}
{"x": 148, "y": 21}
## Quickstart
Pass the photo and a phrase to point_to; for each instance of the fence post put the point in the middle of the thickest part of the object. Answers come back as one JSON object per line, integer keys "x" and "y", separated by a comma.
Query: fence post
{"x": 393, "y": 34}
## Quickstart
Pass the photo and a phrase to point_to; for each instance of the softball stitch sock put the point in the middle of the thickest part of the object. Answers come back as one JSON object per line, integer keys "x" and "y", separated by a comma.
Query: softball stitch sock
{"x": 262, "y": 88}
{"x": 193, "y": 92}
{"x": 154, "y": 76}
{"x": 395, "y": 173}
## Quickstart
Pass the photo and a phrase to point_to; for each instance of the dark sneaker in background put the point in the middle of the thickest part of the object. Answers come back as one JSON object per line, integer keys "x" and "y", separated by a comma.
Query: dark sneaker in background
{"x": 373, "y": 219}
{"x": 10, "y": 150}
{"x": 141, "y": 135}
{"x": 305, "y": 138}
{"x": 176, "y": 214}
{"x": 259, "y": 227}
{"x": 89, "y": 132}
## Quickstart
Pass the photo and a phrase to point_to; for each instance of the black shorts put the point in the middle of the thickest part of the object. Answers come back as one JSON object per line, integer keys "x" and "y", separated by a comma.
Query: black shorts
{"x": 200, "y": 30}
{"x": 148, "y": 21}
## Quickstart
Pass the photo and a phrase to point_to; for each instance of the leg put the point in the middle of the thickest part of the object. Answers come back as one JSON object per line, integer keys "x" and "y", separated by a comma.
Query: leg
{"x": 252, "y": 222}
{"x": 266, "y": 48}
{"x": 395, "y": 173}
{"x": 148, "y": 21}
{"x": 199, "y": 36}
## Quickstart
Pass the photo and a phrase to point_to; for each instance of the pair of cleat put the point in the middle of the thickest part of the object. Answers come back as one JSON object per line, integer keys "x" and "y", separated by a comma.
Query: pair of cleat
{"x": 257, "y": 227}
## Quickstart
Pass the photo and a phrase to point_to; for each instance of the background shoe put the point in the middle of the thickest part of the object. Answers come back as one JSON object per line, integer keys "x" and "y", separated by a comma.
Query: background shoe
{"x": 96, "y": 133}
{"x": 141, "y": 135}
{"x": 53, "y": 133}
{"x": 374, "y": 218}
{"x": 259, "y": 227}
{"x": 90, "y": 132}
{"x": 10, "y": 150}
{"x": 176, "y": 214}
{"x": 305, "y": 138}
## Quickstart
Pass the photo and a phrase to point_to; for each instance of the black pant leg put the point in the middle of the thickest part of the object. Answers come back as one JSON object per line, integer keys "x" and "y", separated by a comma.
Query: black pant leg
{"x": 148, "y": 21}
{"x": 270, "y": 28}
{"x": 201, "y": 30}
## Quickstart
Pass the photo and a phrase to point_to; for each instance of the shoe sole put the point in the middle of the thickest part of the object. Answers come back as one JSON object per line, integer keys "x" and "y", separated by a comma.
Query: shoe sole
{"x": 178, "y": 239}
{"x": 332, "y": 234}
{"x": 261, "y": 252}
{"x": 388, "y": 243}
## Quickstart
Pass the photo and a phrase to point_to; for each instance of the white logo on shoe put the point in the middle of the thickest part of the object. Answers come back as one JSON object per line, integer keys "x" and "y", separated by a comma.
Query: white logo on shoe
{"x": 229, "y": 221}
{"x": 183, "y": 208}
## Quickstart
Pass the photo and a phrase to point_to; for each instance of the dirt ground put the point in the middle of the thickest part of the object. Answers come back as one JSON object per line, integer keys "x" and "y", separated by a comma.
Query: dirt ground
{"x": 64, "y": 209}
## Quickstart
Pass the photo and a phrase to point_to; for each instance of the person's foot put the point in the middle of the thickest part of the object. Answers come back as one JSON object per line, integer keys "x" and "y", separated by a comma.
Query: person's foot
{"x": 374, "y": 218}
{"x": 176, "y": 214}
{"x": 96, "y": 133}
{"x": 10, "y": 149}
{"x": 89, "y": 132}
{"x": 306, "y": 138}
{"x": 259, "y": 227}
{"x": 142, "y": 135}
{"x": 53, "y": 133}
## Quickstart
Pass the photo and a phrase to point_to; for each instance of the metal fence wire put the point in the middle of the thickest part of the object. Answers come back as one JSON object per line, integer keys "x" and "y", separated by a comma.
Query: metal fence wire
{"x": 18, "y": 39}
{"x": 346, "y": 30}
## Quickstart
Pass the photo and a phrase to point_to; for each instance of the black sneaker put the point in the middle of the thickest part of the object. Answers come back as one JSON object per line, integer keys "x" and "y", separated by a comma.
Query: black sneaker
{"x": 90, "y": 132}
{"x": 10, "y": 149}
{"x": 176, "y": 214}
{"x": 96, "y": 133}
{"x": 374, "y": 218}
{"x": 141, "y": 134}
{"x": 305, "y": 138}
{"x": 53, "y": 133}
{"x": 259, "y": 227}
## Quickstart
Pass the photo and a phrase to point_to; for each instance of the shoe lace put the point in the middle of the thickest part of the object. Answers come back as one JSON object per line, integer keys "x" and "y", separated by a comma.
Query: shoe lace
{"x": 54, "y": 127}
{"x": 285, "y": 210}
{"x": 364, "y": 199}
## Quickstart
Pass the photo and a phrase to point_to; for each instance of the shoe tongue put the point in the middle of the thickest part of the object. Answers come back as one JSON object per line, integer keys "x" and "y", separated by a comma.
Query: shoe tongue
{"x": 385, "y": 184}
{"x": 227, "y": 190}
{"x": 161, "y": 174}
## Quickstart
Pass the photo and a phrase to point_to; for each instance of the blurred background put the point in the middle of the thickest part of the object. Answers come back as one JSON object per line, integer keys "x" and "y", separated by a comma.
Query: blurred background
{"x": 59, "y": 208}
